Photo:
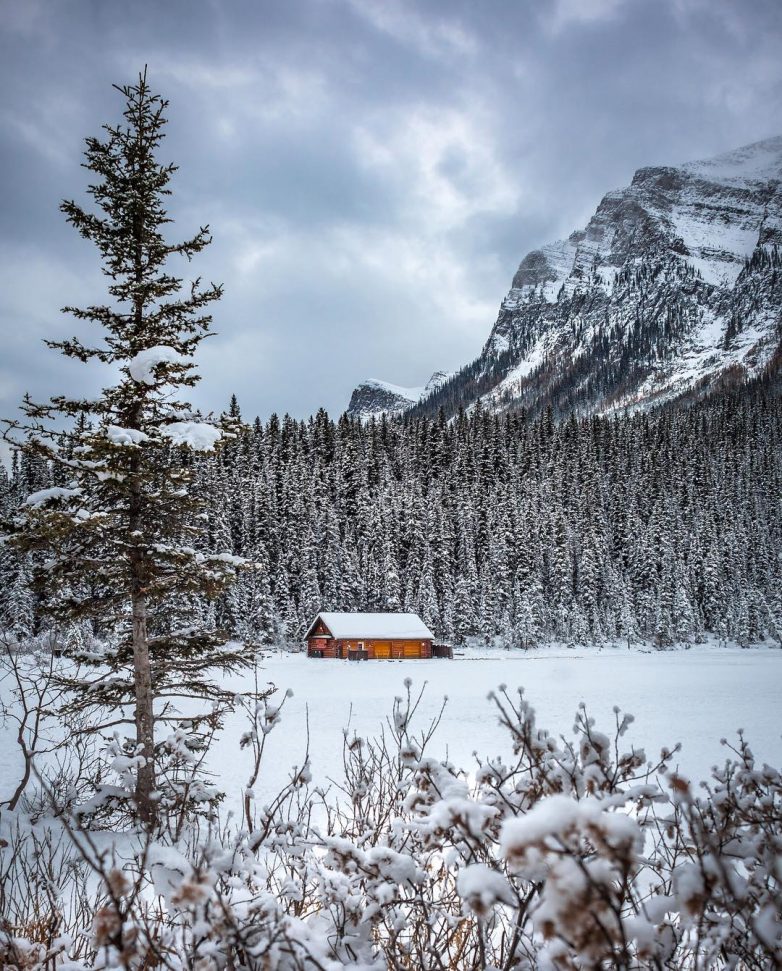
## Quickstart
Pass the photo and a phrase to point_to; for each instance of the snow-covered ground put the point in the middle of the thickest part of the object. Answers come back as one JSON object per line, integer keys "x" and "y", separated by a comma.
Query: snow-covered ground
{"x": 695, "y": 696}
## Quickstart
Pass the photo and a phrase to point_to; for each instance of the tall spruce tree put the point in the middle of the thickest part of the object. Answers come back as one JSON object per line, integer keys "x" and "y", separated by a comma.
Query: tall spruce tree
{"x": 126, "y": 512}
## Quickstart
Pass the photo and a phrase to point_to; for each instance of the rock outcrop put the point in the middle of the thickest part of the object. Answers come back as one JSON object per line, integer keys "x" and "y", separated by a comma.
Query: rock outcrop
{"x": 674, "y": 285}
{"x": 376, "y": 398}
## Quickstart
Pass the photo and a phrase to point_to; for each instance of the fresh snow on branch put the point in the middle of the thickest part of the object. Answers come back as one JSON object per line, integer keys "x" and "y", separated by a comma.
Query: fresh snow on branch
{"x": 482, "y": 888}
{"x": 125, "y": 436}
{"x": 198, "y": 435}
{"x": 43, "y": 496}
{"x": 142, "y": 367}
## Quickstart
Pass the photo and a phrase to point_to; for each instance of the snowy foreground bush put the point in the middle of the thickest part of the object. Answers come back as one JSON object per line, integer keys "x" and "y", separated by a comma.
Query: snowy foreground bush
{"x": 564, "y": 854}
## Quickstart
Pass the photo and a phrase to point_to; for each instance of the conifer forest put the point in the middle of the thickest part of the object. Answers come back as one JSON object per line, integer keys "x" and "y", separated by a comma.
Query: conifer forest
{"x": 661, "y": 526}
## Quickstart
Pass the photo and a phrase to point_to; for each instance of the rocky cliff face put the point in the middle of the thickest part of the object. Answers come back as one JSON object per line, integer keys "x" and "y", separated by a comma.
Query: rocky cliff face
{"x": 675, "y": 283}
{"x": 376, "y": 398}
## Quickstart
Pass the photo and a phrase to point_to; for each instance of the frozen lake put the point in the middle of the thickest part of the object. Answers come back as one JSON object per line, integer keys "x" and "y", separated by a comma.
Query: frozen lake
{"x": 695, "y": 696}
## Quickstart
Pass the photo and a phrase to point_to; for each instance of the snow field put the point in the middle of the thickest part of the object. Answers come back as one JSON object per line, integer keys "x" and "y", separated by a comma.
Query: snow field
{"x": 695, "y": 696}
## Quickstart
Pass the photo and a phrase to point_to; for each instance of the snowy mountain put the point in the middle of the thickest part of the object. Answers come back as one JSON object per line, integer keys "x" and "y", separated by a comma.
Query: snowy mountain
{"x": 375, "y": 398}
{"x": 674, "y": 285}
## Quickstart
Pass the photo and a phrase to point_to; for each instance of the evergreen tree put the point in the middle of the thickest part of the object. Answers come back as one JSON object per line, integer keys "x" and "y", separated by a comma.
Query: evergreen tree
{"x": 126, "y": 511}
{"x": 17, "y": 601}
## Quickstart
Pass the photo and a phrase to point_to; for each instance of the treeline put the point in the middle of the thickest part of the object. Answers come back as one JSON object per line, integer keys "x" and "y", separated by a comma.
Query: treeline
{"x": 657, "y": 527}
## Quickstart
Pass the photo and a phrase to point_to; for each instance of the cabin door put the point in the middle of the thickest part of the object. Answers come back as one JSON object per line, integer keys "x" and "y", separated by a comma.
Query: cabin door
{"x": 382, "y": 649}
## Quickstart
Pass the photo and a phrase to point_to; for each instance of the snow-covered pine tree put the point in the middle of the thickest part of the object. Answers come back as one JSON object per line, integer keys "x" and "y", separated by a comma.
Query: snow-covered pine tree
{"x": 127, "y": 511}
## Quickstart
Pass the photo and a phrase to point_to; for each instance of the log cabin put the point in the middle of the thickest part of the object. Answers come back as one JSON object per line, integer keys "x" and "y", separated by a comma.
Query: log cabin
{"x": 369, "y": 636}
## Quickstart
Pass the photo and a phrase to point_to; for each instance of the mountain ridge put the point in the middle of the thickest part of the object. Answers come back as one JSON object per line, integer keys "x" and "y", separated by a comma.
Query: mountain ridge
{"x": 373, "y": 397}
{"x": 674, "y": 284}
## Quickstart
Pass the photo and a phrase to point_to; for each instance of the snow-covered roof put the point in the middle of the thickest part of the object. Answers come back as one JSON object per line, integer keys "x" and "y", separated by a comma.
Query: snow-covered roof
{"x": 383, "y": 626}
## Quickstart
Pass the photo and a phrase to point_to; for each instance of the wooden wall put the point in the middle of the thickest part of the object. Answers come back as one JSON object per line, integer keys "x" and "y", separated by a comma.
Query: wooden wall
{"x": 376, "y": 648}
{"x": 325, "y": 644}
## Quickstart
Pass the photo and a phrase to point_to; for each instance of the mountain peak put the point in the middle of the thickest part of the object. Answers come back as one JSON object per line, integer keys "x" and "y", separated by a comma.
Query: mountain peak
{"x": 674, "y": 284}
{"x": 373, "y": 397}
{"x": 758, "y": 162}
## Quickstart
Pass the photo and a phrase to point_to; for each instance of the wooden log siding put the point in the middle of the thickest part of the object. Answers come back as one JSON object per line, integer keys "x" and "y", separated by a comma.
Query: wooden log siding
{"x": 322, "y": 647}
{"x": 377, "y": 649}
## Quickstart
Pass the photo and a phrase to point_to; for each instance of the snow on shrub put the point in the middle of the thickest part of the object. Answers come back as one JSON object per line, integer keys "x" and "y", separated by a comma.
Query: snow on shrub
{"x": 558, "y": 825}
{"x": 482, "y": 888}
{"x": 566, "y": 854}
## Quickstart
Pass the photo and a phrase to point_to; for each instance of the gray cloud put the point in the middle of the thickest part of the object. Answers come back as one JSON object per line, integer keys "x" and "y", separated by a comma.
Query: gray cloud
{"x": 372, "y": 172}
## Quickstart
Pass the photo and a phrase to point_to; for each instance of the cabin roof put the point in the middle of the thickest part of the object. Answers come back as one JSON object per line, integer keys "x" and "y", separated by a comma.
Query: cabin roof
{"x": 382, "y": 626}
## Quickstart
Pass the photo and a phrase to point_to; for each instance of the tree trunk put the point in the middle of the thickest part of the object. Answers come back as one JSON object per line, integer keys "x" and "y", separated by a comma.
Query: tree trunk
{"x": 146, "y": 805}
{"x": 145, "y": 730}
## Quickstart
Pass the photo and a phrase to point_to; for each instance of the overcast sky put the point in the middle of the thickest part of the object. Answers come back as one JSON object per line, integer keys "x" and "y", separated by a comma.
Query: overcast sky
{"x": 373, "y": 171}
